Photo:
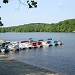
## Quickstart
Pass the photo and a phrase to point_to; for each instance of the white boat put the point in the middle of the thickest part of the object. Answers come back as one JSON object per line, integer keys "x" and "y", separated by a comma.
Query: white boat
{"x": 13, "y": 46}
{"x": 25, "y": 45}
{"x": 59, "y": 42}
{"x": 46, "y": 43}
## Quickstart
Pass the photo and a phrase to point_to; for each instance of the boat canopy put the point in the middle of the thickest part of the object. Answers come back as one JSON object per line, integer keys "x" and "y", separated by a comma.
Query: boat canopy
{"x": 49, "y": 39}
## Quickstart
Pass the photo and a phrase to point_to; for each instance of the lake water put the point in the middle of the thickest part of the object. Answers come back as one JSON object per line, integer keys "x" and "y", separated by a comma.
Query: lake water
{"x": 55, "y": 58}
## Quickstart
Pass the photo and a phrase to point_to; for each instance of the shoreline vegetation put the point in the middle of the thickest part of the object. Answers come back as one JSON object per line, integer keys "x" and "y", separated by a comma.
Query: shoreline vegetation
{"x": 10, "y": 66}
{"x": 62, "y": 26}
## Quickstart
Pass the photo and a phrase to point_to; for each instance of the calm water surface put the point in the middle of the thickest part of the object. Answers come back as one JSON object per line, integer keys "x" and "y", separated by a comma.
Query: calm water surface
{"x": 55, "y": 58}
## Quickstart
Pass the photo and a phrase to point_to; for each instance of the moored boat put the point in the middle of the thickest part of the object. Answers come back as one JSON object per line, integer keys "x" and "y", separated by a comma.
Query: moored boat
{"x": 33, "y": 44}
{"x": 25, "y": 45}
{"x": 4, "y": 46}
{"x": 59, "y": 42}
{"x": 13, "y": 46}
{"x": 54, "y": 43}
{"x": 39, "y": 44}
{"x": 46, "y": 43}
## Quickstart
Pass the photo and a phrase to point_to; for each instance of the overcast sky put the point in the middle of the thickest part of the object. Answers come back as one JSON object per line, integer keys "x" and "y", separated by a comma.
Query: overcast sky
{"x": 48, "y": 11}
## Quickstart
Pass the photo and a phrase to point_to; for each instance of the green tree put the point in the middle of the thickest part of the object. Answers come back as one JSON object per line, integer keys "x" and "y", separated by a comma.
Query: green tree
{"x": 30, "y": 3}
{"x": 1, "y": 24}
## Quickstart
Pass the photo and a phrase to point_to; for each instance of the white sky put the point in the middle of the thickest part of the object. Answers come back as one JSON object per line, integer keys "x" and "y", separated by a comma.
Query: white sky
{"x": 48, "y": 11}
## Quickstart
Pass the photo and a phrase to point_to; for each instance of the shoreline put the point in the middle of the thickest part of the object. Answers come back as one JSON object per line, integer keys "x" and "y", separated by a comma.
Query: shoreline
{"x": 13, "y": 67}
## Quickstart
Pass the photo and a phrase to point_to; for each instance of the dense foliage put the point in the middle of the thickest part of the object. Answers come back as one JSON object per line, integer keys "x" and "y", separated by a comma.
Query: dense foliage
{"x": 1, "y": 24}
{"x": 30, "y": 3}
{"x": 62, "y": 26}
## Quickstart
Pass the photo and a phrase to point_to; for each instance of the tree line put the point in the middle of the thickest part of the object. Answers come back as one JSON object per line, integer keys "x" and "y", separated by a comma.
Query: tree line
{"x": 62, "y": 26}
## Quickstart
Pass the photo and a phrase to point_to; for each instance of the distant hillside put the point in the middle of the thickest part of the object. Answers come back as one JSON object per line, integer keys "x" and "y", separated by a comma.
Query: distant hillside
{"x": 62, "y": 26}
